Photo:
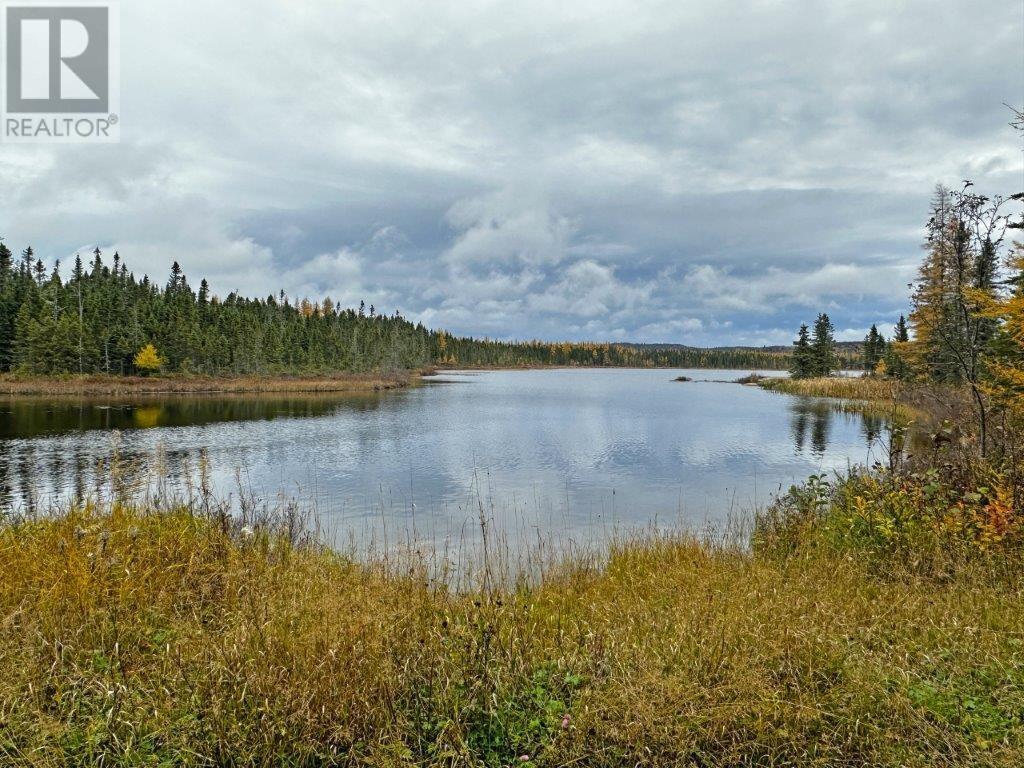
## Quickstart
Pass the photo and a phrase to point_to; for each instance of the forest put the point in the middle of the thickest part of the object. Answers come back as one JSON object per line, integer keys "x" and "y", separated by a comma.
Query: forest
{"x": 872, "y": 616}
{"x": 100, "y": 318}
{"x": 868, "y": 617}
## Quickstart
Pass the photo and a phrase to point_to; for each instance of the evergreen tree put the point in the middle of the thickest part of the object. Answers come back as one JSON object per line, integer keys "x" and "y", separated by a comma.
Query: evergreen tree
{"x": 99, "y": 318}
{"x": 802, "y": 365}
{"x": 27, "y": 256}
{"x": 823, "y": 347}
{"x": 958, "y": 274}
{"x": 894, "y": 365}
{"x": 8, "y": 307}
{"x": 901, "y": 334}
{"x": 874, "y": 349}
{"x": 956, "y": 280}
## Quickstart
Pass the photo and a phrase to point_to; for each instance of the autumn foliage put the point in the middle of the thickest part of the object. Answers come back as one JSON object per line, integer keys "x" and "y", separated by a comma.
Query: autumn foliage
{"x": 148, "y": 360}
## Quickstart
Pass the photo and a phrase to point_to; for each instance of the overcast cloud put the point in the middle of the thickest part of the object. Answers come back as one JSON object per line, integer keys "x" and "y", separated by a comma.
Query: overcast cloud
{"x": 695, "y": 172}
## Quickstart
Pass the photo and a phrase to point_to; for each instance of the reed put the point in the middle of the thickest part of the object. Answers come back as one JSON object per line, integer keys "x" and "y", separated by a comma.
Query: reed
{"x": 884, "y": 398}
{"x": 846, "y": 387}
{"x": 163, "y": 633}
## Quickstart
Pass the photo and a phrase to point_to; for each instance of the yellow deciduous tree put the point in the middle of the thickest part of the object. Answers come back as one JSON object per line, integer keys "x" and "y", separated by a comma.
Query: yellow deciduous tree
{"x": 148, "y": 360}
{"x": 1005, "y": 363}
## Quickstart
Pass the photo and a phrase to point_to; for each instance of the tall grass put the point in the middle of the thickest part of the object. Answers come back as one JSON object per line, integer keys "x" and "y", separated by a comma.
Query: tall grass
{"x": 886, "y": 398}
{"x": 156, "y": 634}
{"x": 846, "y": 387}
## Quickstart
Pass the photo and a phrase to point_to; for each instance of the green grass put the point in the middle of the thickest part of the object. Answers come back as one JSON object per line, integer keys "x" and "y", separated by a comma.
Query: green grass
{"x": 138, "y": 637}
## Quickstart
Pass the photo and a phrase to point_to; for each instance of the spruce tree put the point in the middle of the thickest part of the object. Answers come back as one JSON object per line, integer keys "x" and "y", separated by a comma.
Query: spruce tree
{"x": 802, "y": 365}
{"x": 823, "y": 347}
{"x": 100, "y": 316}
{"x": 8, "y": 307}
{"x": 895, "y": 365}
{"x": 901, "y": 334}
{"x": 874, "y": 349}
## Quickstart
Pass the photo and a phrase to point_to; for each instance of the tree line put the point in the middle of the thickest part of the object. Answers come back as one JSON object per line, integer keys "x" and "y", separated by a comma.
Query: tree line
{"x": 100, "y": 318}
{"x": 965, "y": 328}
{"x": 965, "y": 274}
{"x": 815, "y": 352}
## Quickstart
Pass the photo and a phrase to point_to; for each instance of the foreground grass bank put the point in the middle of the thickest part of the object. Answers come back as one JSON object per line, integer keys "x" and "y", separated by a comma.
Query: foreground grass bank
{"x": 135, "y": 637}
{"x": 187, "y": 384}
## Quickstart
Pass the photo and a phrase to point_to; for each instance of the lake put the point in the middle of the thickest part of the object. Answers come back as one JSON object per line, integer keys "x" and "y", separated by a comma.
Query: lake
{"x": 574, "y": 452}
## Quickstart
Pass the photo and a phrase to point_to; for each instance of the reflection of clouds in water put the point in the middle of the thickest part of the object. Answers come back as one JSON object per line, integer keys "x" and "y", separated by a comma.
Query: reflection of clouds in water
{"x": 556, "y": 449}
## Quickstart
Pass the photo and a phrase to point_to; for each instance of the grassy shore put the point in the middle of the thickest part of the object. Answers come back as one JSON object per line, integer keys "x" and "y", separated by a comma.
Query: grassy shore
{"x": 136, "y": 636}
{"x": 877, "y": 396}
{"x": 846, "y": 387}
{"x": 182, "y": 384}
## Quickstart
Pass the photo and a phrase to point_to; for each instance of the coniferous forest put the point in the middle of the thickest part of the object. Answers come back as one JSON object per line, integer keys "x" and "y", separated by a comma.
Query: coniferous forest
{"x": 98, "y": 317}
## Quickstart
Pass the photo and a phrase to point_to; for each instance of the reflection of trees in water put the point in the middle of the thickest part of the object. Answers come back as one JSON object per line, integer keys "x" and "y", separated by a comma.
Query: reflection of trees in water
{"x": 873, "y": 426}
{"x": 28, "y": 469}
{"x": 78, "y": 469}
{"x": 34, "y": 474}
{"x": 811, "y": 420}
{"x": 22, "y": 418}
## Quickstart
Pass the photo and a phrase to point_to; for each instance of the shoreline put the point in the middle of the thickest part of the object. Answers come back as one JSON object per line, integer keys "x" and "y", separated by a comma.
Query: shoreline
{"x": 12, "y": 385}
{"x": 98, "y": 384}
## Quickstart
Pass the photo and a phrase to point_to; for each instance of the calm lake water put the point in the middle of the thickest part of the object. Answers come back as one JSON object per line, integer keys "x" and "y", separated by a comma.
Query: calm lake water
{"x": 565, "y": 451}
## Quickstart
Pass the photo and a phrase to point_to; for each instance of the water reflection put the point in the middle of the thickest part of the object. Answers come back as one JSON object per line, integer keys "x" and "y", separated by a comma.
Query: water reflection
{"x": 576, "y": 448}
{"x": 812, "y": 420}
{"x": 22, "y": 418}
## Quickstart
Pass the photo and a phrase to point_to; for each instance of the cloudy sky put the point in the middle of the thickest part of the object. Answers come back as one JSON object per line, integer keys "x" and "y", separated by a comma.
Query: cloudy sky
{"x": 701, "y": 172}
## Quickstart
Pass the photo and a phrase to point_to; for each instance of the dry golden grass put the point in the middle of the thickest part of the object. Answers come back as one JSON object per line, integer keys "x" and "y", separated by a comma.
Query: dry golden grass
{"x": 95, "y": 384}
{"x": 144, "y": 638}
{"x": 878, "y": 396}
{"x": 846, "y": 387}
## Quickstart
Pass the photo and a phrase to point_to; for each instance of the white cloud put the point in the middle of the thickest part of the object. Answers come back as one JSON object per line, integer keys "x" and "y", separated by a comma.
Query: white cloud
{"x": 503, "y": 229}
{"x": 774, "y": 289}
{"x": 588, "y": 289}
{"x": 654, "y": 170}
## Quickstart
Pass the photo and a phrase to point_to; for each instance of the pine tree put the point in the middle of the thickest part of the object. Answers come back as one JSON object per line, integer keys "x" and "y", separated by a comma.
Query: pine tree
{"x": 823, "y": 347}
{"x": 27, "y": 257}
{"x": 6, "y": 262}
{"x": 874, "y": 349}
{"x": 958, "y": 273}
{"x": 956, "y": 280}
{"x": 8, "y": 307}
{"x": 100, "y": 317}
{"x": 893, "y": 358}
{"x": 985, "y": 271}
{"x": 901, "y": 334}
{"x": 802, "y": 365}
